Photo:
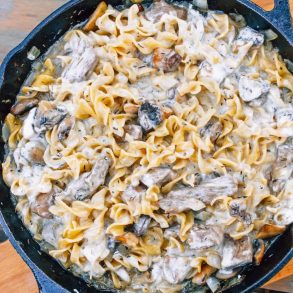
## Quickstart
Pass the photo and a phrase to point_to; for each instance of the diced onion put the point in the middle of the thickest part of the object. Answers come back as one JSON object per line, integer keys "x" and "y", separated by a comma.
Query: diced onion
{"x": 270, "y": 35}
{"x": 213, "y": 284}
{"x": 201, "y": 4}
{"x": 33, "y": 53}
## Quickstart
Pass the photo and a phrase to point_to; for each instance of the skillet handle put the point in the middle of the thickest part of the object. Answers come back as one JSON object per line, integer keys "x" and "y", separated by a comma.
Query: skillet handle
{"x": 279, "y": 16}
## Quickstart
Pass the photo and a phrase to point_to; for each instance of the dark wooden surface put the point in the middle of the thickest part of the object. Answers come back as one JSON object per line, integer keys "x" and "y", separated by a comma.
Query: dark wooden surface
{"x": 17, "y": 19}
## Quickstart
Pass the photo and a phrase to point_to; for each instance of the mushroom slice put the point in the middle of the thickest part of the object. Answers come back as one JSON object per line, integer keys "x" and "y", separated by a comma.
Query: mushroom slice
{"x": 33, "y": 152}
{"x": 149, "y": 116}
{"x": 236, "y": 253}
{"x": 249, "y": 35}
{"x": 213, "y": 129}
{"x": 23, "y": 106}
{"x": 87, "y": 184}
{"x": 142, "y": 225}
{"x": 237, "y": 209}
{"x": 260, "y": 251}
{"x": 200, "y": 278}
{"x": 251, "y": 89}
{"x": 91, "y": 23}
{"x": 160, "y": 8}
{"x": 65, "y": 127}
{"x": 47, "y": 116}
{"x": 166, "y": 59}
{"x": 269, "y": 230}
{"x": 176, "y": 269}
{"x": 202, "y": 237}
{"x": 158, "y": 176}
{"x": 41, "y": 205}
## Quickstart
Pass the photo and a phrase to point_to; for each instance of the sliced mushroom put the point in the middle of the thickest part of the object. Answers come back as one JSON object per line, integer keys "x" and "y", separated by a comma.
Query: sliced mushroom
{"x": 249, "y": 35}
{"x": 87, "y": 184}
{"x": 160, "y": 8}
{"x": 213, "y": 129}
{"x": 91, "y": 23}
{"x": 65, "y": 127}
{"x": 236, "y": 253}
{"x": 176, "y": 269}
{"x": 269, "y": 230}
{"x": 41, "y": 205}
{"x": 226, "y": 274}
{"x": 33, "y": 152}
{"x": 166, "y": 59}
{"x": 23, "y": 106}
{"x": 202, "y": 237}
{"x": 187, "y": 198}
{"x": 47, "y": 116}
{"x": 158, "y": 176}
{"x": 149, "y": 116}
{"x": 260, "y": 251}
{"x": 200, "y": 278}
{"x": 142, "y": 225}
{"x": 237, "y": 208}
{"x": 251, "y": 89}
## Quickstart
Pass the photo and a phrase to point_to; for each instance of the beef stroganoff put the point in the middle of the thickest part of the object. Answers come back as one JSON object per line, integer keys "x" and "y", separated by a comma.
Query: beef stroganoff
{"x": 153, "y": 148}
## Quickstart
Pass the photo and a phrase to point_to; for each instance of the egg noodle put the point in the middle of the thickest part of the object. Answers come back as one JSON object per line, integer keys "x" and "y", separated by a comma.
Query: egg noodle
{"x": 220, "y": 59}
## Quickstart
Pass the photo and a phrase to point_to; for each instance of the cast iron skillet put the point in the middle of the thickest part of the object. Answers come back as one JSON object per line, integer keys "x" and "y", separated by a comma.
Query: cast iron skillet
{"x": 14, "y": 69}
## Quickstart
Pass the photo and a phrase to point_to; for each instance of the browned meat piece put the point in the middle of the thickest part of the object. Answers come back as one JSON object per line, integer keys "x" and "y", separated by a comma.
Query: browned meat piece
{"x": 158, "y": 176}
{"x": 142, "y": 225}
{"x": 42, "y": 204}
{"x": 251, "y": 89}
{"x": 247, "y": 35}
{"x": 88, "y": 183}
{"x": 135, "y": 131}
{"x": 64, "y": 128}
{"x": 202, "y": 237}
{"x": 23, "y": 106}
{"x": 149, "y": 116}
{"x": 166, "y": 59}
{"x": 213, "y": 129}
{"x": 52, "y": 230}
{"x": 238, "y": 210}
{"x": 160, "y": 8}
{"x": 47, "y": 116}
{"x": 236, "y": 253}
{"x": 187, "y": 198}
{"x": 81, "y": 66}
{"x": 176, "y": 269}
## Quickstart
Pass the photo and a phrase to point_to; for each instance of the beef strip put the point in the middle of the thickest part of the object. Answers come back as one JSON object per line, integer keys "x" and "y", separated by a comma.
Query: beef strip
{"x": 202, "y": 237}
{"x": 187, "y": 198}
{"x": 23, "y": 106}
{"x": 158, "y": 176}
{"x": 213, "y": 129}
{"x": 236, "y": 253}
{"x": 88, "y": 183}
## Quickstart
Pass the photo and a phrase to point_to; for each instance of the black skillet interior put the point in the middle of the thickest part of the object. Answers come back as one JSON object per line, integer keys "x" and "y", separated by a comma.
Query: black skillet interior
{"x": 14, "y": 70}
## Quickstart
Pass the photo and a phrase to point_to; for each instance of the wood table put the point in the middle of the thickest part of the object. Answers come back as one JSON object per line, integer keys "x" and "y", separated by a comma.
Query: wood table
{"x": 17, "y": 19}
